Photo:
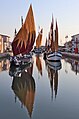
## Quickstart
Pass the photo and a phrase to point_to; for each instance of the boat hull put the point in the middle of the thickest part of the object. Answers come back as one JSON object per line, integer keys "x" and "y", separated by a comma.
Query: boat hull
{"x": 20, "y": 61}
{"x": 54, "y": 65}
{"x": 56, "y": 56}
{"x": 37, "y": 51}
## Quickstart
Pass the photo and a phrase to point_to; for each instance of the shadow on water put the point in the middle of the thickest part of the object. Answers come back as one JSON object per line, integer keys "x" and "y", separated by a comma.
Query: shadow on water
{"x": 74, "y": 65}
{"x": 23, "y": 86}
{"x": 39, "y": 64}
{"x": 53, "y": 76}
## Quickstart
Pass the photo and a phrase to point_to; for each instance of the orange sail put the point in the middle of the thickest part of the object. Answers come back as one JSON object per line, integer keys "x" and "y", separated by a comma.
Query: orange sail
{"x": 25, "y": 38}
{"x": 39, "y": 39}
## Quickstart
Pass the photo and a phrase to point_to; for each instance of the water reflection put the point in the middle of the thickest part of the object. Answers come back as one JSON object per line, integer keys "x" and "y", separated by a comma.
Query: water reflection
{"x": 39, "y": 64}
{"x": 24, "y": 88}
{"x": 16, "y": 71}
{"x": 4, "y": 64}
{"x": 74, "y": 65}
{"x": 53, "y": 76}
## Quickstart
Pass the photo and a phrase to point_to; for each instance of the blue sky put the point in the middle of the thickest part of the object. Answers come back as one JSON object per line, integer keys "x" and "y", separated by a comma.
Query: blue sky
{"x": 65, "y": 11}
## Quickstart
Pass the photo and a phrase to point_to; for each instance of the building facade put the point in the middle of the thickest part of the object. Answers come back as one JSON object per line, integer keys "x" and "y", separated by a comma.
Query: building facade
{"x": 4, "y": 43}
{"x": 75, "y": 43}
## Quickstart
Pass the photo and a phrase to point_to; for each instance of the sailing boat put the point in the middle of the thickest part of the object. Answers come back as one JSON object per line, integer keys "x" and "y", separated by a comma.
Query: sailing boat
{"x": 25, "y": 38}
{"x": 54, "y": 54}
{"x": 38, "y": 48}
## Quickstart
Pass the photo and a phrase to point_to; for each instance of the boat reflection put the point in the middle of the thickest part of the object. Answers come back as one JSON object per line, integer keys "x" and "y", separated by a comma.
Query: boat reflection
{"x": 16, "y": 71}
{"x": 4, "y": 64}
{"x": 24, "y": 89}
{"x": 39, "y": 64}
{"x": 74, "y": 65}
{"x": 53, "y": 76}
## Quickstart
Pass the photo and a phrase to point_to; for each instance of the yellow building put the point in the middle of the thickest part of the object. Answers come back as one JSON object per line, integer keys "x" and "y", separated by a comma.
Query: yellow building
{"x": 4, "y": 43}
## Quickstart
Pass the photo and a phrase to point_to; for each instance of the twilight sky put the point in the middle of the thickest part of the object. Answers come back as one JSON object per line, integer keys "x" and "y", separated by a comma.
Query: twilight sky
{"x": 65, "y": 11}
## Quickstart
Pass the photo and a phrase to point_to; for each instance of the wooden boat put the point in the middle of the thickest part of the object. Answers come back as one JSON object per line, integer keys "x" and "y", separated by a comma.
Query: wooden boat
{"x": 24, "y": 39}
{"x": 53, "y": 53}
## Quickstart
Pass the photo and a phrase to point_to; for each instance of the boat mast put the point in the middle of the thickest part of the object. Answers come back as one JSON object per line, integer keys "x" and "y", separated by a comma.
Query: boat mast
{"x": 22, "y": 20}
{"x": 15, "y": 32}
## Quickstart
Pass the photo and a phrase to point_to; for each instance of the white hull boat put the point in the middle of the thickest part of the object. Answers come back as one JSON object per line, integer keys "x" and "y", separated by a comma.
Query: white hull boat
{"x": 56, "y": 56}
{"x": 54, "y": 65}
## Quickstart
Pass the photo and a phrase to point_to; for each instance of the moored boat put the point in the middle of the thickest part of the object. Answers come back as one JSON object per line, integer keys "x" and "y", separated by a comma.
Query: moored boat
{"x": 53, "y": 54}
{"x": 24, "y": 40}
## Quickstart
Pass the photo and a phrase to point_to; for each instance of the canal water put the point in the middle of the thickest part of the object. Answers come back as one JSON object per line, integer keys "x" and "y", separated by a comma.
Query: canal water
{"x": 40, "y": 92}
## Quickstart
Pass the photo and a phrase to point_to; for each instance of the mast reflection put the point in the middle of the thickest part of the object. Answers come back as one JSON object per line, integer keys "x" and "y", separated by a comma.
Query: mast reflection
{"x": 39, "y": 64}
{"x": 24, "y": 88}
{"x": 53, "y": 76}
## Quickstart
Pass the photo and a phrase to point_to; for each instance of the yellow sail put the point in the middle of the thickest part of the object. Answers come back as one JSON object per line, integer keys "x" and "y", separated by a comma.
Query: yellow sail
{"x": 39, "y": 39}
{"x": 25, "y": 38}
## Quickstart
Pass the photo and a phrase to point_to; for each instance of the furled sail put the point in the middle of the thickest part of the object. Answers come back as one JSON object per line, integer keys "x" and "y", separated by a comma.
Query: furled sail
{"x": 51, "y": 37}
{"x": 56, "y": 37}
{"x": 39, "y": 39}
{"x": 25, "y": 38}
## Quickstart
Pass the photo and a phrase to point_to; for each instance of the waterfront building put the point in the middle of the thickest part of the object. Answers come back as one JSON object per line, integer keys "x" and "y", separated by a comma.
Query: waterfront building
{"x": 75, "y": 43}
{"x": 68, "y": 46}
{"x": 4, "y": 43}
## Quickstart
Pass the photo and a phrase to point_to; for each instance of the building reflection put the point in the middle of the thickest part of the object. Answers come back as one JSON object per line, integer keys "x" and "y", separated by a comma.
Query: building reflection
{"x": 39, "y": 64}
{"x": 4, "y": 64}
{"x": 53, "y": 77}
{"x": 24, "y": 88}
{"x": 74, "y": 65}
